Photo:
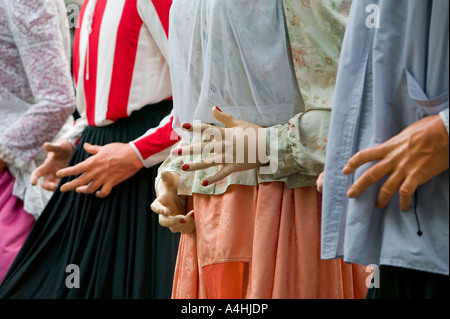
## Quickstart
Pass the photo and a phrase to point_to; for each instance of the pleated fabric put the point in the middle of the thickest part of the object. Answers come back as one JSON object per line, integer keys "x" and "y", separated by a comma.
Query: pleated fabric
{"x": 262, "y": 242}
{"x": 86, "y": 247}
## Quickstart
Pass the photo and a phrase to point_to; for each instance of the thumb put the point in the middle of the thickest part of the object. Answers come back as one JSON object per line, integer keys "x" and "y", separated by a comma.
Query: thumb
{"x": 92, "y": 149}
{"x": 38, "y": 173}
{"x": 35, "y": 176}
{"x": 51, "y": 147}
{"x": 159, "y": 208}
{"x": 225, "y": 118}
{"x": 167, "y": 178}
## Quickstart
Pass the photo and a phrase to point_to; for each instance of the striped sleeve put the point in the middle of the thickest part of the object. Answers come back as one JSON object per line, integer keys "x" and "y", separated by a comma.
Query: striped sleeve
{"x": 73, "y": 135}
{"x": 154, "y": 147}
{"x": 155, "y": 15}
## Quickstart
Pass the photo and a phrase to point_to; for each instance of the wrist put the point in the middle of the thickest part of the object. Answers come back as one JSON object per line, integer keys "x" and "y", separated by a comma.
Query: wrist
{"x": 445, "y": 119}
{"x": 138, "y": 155}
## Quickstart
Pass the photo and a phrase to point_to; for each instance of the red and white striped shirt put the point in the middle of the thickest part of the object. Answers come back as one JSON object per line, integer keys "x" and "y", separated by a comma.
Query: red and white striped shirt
{"x": 120, "y": 65}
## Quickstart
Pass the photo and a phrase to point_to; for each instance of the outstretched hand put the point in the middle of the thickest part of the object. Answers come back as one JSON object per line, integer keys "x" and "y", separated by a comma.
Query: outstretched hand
{"x": 108, "y": 166}
{"x": 58, "y": 157}
{"x": 412, "y": 158}
{"x": 239, "y": 147}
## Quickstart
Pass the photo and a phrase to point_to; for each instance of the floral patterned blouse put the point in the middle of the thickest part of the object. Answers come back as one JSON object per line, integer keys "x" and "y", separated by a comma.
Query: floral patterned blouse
{"x": 36, "y": 90}
{"x": 297, "y": 148}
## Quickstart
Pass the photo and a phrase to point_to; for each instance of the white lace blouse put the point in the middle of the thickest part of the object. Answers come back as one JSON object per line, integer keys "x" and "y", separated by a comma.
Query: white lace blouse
{"x": 36, "y": 90}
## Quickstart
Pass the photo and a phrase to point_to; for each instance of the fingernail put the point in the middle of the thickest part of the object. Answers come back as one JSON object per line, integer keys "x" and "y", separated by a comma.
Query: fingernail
{"x": 182, "y": 221}
{"x": 177, "y": 151}
{"x": 187, "y": 126}
{"x": 218, "y": 109}
{"x": 193, "y": 216}
{"x": 205, "y": 183}
{"x": 185, "y": 167}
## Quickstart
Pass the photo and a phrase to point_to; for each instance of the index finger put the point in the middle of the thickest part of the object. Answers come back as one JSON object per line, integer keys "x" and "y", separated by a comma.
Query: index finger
{"x": 198, "y": 127}
{"x": 170, "y": 221}
{"x": 223, "y": 172}
{"x": 365, "y": 156}
{"x": 37, "y": 173}
{"x": 73, "y": 170}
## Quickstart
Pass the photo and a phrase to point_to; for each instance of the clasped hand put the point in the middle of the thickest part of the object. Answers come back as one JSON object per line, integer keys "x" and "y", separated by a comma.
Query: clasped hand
{"x": 172, "y": 207}
{"x": 229, "y": 149}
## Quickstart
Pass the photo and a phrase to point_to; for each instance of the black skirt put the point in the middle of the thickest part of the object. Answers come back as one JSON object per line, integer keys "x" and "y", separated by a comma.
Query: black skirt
{"x": 86, "y": 247}
{"x": 402, "y": 283}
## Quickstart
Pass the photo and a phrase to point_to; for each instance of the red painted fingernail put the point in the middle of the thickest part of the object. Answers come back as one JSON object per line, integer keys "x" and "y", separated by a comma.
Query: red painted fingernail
{"x": 185, "y": 167}
{"x": 187, "y": 126}
{"x": 193, "y": 216}
{"x": 177, "y": 151}
{"x": 182, "y": 221}
{"x": 205, "y": 183}
{"x": 218, "y": 109}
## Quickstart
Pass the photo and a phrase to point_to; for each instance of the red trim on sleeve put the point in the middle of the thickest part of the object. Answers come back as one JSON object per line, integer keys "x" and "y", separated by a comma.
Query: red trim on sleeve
{"x": 157, "y": 141}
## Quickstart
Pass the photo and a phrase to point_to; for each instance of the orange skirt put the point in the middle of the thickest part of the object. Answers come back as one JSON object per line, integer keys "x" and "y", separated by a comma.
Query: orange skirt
{"x": 261, "y": 242}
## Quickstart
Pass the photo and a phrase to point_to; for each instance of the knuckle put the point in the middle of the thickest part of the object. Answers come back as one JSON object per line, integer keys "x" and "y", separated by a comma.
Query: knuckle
{"x": 385, "y": 192}
{"x": 406, "y": 192}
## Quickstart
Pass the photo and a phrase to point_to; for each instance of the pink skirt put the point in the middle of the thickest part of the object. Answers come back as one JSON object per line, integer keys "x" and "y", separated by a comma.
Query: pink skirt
{"x": 261, "y": 242}
{"x": 15, "y": 223}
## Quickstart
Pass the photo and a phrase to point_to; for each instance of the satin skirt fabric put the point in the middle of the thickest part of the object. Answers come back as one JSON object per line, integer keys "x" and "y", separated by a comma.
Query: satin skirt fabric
{"x": 15, "y": 223}
{"x": 86, "y": 247}
{"x": 261, "y": 242}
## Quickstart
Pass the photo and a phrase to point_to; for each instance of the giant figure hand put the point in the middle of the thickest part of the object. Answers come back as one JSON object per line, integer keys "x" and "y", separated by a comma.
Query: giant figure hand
{"x": 412, "y": 158}
{"x": 58, "y": 157}
{"x": 239, "y": 147}
{"x": 319, "y": 182}
{"x": 108, "y": 166}
{"x": 172, "y": 207}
